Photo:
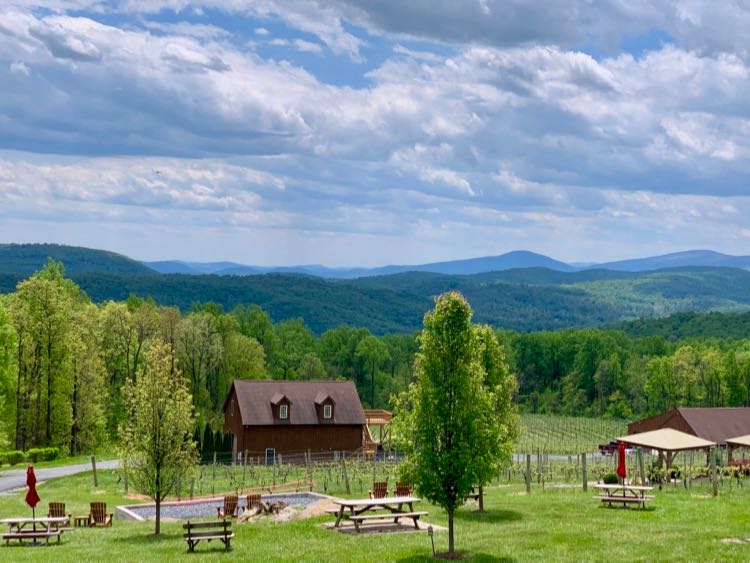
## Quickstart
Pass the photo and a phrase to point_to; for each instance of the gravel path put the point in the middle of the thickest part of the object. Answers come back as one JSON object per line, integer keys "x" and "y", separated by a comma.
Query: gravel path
{"x": 201, "y": 508}
{"x": 16, "y": 478}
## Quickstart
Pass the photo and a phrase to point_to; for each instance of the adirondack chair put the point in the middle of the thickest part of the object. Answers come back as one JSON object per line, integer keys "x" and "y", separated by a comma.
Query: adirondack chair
{"x": 379, "y": 489}
{"x": 230, "y": 507}
{"x": 57, "y": 510}
{"x": 403, "y": 490}
{"x": 98, "y": 515}
{"x": 253, "y": 500}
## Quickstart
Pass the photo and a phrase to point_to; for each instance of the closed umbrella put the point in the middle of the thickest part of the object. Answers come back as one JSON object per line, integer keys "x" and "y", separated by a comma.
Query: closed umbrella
{"x": 621, "y": 471}
{"x": 32, "y": 497}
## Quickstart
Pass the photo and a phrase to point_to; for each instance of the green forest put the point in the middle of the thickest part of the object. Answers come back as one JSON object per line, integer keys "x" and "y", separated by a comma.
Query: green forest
{"x": 64, "y": 359}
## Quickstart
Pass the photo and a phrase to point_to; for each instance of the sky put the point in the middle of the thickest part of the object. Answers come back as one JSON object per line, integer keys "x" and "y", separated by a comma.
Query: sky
{"x": 363, "y": 133}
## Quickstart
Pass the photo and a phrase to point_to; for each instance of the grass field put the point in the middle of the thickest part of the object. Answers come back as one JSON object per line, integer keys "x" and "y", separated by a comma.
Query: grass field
{"x": 552, "y": 525}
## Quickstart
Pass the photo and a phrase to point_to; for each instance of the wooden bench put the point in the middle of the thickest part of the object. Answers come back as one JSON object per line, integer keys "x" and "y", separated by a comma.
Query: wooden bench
{"x": 210, "y": 531}
{"x": 609, "y": 499}
{"x": 20, "y": 536}
{"x": 389, "y": 516}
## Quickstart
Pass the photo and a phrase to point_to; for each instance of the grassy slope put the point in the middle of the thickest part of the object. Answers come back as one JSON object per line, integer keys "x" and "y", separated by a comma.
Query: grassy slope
{"x": 550, "y": 525}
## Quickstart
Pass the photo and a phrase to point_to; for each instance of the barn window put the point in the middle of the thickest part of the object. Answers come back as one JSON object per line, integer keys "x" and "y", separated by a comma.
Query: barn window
{"x": 283, "y": 412}
{"x": 327, "y": 411}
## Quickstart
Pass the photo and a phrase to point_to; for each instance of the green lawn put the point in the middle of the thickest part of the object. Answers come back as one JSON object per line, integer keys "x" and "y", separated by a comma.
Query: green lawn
{"x": 552, "y": 525}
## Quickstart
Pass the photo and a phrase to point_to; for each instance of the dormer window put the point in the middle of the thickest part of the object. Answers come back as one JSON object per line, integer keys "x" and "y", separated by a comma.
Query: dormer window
{"x": 324, "y": 405}
{"x": 280, "y": 405}
{"x": 327, "y": 411}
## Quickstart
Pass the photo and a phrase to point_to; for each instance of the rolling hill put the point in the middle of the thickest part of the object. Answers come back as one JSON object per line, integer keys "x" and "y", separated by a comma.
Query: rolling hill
{"x": 25, "y": 259}
{"x": 524, "y": 299}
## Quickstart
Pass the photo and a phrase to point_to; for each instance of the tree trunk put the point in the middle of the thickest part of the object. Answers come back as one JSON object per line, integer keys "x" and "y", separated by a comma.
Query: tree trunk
{"x": 74, "y": 428}
{"x": 158, "y": 500}
{"x": 450, "y": 531}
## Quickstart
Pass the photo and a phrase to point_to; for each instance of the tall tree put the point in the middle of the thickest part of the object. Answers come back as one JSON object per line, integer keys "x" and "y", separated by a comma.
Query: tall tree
{"x": 156, "y": 437}
{"x": 373, "y": 353}
{"x": 453, "y": 416}
{"x": 7, "y": 351}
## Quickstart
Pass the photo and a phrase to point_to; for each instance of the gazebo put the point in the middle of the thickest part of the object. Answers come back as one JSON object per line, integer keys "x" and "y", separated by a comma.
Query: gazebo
{"x": 668, "y": 442}
{"x": 738, "y": 442}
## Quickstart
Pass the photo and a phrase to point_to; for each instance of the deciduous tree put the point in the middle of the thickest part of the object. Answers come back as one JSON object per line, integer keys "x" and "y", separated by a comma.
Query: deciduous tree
{"x": 156, "y": 436}
{"x": 456, "y": 420}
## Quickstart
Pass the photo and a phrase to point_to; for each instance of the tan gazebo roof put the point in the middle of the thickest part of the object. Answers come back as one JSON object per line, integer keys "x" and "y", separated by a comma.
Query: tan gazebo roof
{"x": 666, "y": 440}
{"x": 739, "y": 441}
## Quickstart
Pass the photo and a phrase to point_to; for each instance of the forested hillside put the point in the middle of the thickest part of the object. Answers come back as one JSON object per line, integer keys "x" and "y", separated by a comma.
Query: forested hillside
{"x": 25, "y": 259}
{"x": 64, "y": 358}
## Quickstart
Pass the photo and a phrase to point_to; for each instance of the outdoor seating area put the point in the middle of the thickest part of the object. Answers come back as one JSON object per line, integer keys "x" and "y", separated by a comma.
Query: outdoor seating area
{"x": 360, "y": 511}
{"x": 625, "y": 495}
{"x": 34, "y": 529}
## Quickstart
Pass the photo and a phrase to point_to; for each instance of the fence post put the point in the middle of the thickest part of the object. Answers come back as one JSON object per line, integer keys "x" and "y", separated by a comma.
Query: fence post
{"x": 640, "y": 466}
{"x": 346, "y": 476}
{"x": 527, "y": 475}
{"x": 583, "y": 471}
{"x": 309, "y": 470}
{"x": 714, "y": 483}
{"x": 93, "y": 468}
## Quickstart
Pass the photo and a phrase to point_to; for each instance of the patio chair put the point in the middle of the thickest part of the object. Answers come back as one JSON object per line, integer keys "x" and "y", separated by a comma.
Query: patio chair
{"x": 379, "y": 489}
{"x": 57, "y": 510}
{"x": 98, "y": 515}
{"x": 253, "y": 500}
{"x": 403, "y": 490}
{"x": 230, "y": 507}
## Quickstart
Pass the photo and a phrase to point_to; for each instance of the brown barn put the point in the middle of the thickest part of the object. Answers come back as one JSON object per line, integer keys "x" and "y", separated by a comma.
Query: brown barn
{"x": 267, "y": 418}
{"x": 714, "y": 424}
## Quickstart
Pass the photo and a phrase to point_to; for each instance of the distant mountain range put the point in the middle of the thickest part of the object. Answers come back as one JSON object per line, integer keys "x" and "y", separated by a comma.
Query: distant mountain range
{"x": 542, "y": 295}
{"x": 509, "y": 261}
{"x": 28, "y": 258}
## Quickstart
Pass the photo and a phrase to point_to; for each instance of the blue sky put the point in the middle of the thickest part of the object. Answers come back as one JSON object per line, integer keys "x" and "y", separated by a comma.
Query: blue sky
{"x": 360, "y": 133}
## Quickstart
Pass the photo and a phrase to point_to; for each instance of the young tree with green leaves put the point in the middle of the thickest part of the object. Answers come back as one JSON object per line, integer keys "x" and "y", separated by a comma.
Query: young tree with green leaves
{"x": 456, "y": 422}
{"x": 156, "y": 436}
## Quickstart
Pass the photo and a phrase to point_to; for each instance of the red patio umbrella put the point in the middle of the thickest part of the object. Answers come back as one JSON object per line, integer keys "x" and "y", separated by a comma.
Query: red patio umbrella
{"x": 621, "y": 471}
{"x": 32, "y": 498}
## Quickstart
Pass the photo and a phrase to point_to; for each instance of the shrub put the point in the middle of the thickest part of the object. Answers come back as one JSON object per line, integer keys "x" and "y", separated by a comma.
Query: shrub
{"x": 610, "y": 479}
{"x": 12, "y": 457}
{"x": 42, "y": 454}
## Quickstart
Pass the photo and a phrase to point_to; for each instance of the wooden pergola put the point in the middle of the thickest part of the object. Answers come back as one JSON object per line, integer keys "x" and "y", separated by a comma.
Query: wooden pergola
{"x": 668, "y": 442}
{"x": 381, "y": 418}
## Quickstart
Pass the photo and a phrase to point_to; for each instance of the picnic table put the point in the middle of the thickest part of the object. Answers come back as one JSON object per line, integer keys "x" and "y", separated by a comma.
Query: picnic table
{"x": 33, "y": 528}
{"x": 392, "y": 507}
{"x": 625, "y": 494}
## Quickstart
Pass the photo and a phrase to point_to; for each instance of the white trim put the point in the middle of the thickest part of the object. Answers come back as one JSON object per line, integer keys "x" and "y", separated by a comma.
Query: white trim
{"x": 327, "y": 411}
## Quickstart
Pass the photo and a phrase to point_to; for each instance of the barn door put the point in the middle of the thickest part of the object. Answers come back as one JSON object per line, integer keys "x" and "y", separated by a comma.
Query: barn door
{"x": 270, "y": 456}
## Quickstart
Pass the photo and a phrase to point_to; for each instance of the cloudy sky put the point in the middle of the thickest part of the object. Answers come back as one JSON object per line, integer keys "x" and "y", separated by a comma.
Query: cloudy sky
{"x": 360, "y": 132}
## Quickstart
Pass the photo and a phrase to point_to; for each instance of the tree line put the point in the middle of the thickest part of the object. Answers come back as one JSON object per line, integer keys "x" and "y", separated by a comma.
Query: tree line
{"x": 64, "y": 362}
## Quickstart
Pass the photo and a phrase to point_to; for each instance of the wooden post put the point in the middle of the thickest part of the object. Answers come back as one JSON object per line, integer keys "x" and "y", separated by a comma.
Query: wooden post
{"x": 640, "y": 466}
{"x": 274, "y": 469}
{"x": 583, "y": 472}
{"x": 714, "y": 483}
{"x": 309, "y": 469}
{"x": 346, "y": 476}
{"x": 527, "y": 475}
{"x": 93, "y": 468}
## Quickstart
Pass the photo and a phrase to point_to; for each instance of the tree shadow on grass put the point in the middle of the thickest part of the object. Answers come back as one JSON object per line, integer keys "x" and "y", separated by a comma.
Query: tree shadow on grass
{"x": 490, "y": 516}
{"x": 470, "y": 556}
